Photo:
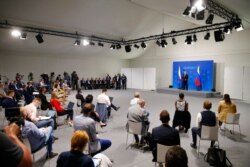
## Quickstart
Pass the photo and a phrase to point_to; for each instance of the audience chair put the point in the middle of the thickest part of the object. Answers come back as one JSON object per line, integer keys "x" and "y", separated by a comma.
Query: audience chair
{"x": 208, "y": 133}
{"x": 133, "y": 128}
{"x": 161, "y": 153}
{"x": 232, "y": 119}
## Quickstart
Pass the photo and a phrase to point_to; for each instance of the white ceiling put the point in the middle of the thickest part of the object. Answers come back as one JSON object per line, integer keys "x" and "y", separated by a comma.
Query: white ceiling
{"x": 114, "y": 19}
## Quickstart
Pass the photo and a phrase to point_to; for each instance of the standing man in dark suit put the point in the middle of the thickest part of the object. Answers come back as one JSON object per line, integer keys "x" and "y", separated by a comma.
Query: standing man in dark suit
{"x": 124, "y": 81}
{"x": 185, "y": 80}
{"x": 164, "y": 134}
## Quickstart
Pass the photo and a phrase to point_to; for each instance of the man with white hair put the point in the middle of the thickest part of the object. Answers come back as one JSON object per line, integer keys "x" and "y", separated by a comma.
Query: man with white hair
{"x": 135, "y": 99}
{"x": 137, "y": 113}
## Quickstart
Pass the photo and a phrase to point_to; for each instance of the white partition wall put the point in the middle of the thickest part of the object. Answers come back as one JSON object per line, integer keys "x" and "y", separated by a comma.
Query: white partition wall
{"x": 233, "y": 82}
{"x": 149, "y": 78}
{"x": 137, "y": 78}
{"x": 128, "y": 73}
{"x": 246, "y": 84}
{"x": 140, "y": 78}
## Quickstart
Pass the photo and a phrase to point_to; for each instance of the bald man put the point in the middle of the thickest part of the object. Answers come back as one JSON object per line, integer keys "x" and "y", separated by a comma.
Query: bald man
{"x": 207, "y": 118}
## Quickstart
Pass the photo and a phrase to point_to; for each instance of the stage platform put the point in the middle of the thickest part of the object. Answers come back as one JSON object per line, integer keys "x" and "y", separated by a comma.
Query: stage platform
{"x": 203, "y": 94}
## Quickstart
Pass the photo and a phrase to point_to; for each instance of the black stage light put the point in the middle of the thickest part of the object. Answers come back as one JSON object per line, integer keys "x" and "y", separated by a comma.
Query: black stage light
{"x": 77, "y": 42}
{"x": 23, "y": 35}
{"x": 210, "y": 19}
{"x": 219, "y": 36}
{"x": 143, "y": 45}
{"x": 164, "y": 43}
{"x": 100, "y": 44}
{"x": 188, "y": 40}
{"x": 112, "y": 47}
{"x": 39, "y": 38}
{"x": 200, "y": 15}
{"x": 118, "y": 46}
{"x": 238, "y": 25}
{"x": 92, "y": 43}
{"x": 207, "y": 36}
{"x": 228, "y": 30}
{"x": 128, "y": 48}
{"x": 186, "y": 11}
{"x": 194, "y": 38}
{"x": 158, "y": 43}
{"x": 136, "y": 46}
{"x": 174, "y": 41}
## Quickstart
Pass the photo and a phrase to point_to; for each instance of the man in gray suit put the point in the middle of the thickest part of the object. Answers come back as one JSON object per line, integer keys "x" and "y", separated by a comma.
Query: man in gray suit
{"x": 84, "y": 122}
{"x": 137, "y": 113}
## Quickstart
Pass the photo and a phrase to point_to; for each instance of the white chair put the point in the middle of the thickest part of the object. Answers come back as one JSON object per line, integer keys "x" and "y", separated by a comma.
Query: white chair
{"x": 133, "y": 128}
{"x": 208, "y": 133}
{"x": 232, "y": 119}
{"x": 161, "y": 153}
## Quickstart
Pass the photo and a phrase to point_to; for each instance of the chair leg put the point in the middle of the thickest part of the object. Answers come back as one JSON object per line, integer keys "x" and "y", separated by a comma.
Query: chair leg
{"x": 127, "y": 142}
{"x": 198, "y": 149}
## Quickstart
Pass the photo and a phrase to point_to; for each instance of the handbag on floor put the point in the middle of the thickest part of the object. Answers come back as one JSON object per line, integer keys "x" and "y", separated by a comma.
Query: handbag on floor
{"x": 217, "y": 157}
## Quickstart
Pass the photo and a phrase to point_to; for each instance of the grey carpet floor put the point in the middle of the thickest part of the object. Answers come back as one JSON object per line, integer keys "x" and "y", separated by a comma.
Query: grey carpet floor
{"x": 237, "y": 149}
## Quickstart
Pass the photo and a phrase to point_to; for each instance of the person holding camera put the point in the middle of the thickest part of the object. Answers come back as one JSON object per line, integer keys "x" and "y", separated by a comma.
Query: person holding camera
{"x": 13, "y": 151}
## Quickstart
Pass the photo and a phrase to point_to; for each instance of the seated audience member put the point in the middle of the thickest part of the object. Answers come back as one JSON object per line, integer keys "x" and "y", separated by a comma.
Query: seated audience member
{"x": 27, "y": 96}
{"x": 136, "y": 98}
{"x": 38, "y": 137}
{"x": 176, "y": 157}
{"x": 164, "y": 134}
{"x": 30, "y": 87}
{"x": 66, "y": 87}
{"x": 207, "y": 118}
{"x": 44, "y": 102}
{"x": 84, "y": 122}
{"x": 80, "y": 96}
{"x": 182, "y": 117}
{"x": 60, "y": 93}
{"x": 9, "y": 101}
{"x": 225, "y": 106}
{"x": 76, "y": 158}
{"x": 94, "y": 115}
{"x": 2, "y": 93}
{"x": 31, "y": 110}
{"x": 60, "y": 110}
{"x": 18, "y": 90}
{"x": 13, "y": 152}
{"x": 137, "y": 113}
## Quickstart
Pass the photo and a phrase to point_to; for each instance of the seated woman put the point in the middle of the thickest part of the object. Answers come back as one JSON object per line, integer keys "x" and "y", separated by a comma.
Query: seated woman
{"x": 66, "y": 87}
{"x": 182, "y": 117}
{"x": 60, "y": 93}
{"x": 44, "y": 102}
{"x": 94, "y": 115}
{"x": 75, "y": 157}
{"x": 60, "y": 110}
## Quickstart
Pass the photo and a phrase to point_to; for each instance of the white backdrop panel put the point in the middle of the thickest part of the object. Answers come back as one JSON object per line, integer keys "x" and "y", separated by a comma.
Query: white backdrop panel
{"x": 137, "y": 78}
{"x": 246, "y": 84}
{"x": 233, "y": 78}
{"x": 149, "y": 78}
{"x": 128, "y": 73}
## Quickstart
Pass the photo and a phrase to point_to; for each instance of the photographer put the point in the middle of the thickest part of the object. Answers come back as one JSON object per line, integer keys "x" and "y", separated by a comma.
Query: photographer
{"x": 13, "y": 151}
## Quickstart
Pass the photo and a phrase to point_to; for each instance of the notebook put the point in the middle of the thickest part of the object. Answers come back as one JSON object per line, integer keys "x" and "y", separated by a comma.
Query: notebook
{"x": 70, "y": 105}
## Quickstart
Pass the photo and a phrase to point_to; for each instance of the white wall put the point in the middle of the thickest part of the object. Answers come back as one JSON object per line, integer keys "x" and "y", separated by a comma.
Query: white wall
{"x": 233, "y": 51}
{"x": 85, "y": 66}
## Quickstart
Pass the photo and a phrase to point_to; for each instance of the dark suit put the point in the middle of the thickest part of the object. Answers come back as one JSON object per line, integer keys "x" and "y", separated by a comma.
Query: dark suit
{"x": 165, "y": 135}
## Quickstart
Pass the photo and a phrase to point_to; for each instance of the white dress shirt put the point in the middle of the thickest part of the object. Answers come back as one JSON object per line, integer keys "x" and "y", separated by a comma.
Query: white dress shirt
{"x": 104, "y": 99}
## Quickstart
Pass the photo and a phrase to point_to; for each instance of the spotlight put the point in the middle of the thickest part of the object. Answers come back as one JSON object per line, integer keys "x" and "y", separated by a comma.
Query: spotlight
{"x": 158, "y": 43}
{"x": 219, "y": 36}
{"x": 164, "y": 43}
{"x": 112, "y": 47}
{"x": 200, "y": 15}
{"x": 194, "y": 38}
{"x": 128, "y": 48}
{"x": 143, "y": 45}
{"x": 16, "y": 33}
{"x": 238, "y": 25}
{"x": 118, "y": 46}
{"x": 39, "y": 38}
{"x": 100, "y": 44}
{"x": 207, "y": 36}
{"x": 136, "y": 46}
{"x": 174, "y": 41}
{"x": 85, "y": 42}
{"x": 188, "y": 40}
{"x": 198, "y": 4}
{"x": 210, "y": 19}
{"x": 186, "y": 11}
{"x": 228, "y": 30}
{"x": 23, "y": 36}
{"x": 92, "y": 43}
{"x": 77, "y": 42}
